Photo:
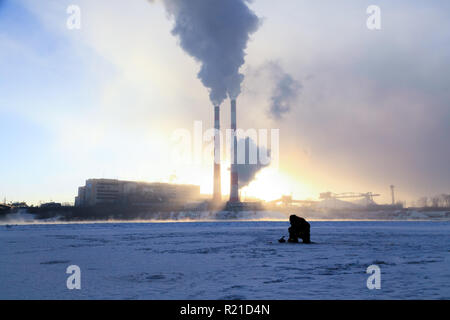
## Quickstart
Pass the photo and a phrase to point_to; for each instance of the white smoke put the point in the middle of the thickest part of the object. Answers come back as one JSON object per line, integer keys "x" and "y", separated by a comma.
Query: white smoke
{"x": 248, "y": 170}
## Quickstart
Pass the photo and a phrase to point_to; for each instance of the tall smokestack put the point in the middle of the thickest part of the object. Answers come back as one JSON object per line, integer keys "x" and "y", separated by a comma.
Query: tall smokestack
{"x": 234, "y": 186}
{"x": 217, "y": 193}
{"x": 392, "y": 194}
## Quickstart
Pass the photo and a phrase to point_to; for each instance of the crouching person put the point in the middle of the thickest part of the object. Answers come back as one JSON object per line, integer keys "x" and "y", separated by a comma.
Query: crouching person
{"x": 299, "y": 228}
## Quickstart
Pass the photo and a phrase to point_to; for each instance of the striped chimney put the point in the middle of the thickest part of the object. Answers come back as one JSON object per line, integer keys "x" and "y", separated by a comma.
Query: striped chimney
{"x": 217, "y": 193}
{"x": 234, "y": 186}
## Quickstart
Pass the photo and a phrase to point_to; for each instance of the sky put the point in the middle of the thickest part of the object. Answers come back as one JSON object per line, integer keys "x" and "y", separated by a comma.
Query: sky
{"x": 104, "y": 101}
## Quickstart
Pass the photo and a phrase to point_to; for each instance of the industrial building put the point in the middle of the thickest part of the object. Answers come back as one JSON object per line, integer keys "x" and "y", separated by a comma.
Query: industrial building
{"x": 117, "y": 192}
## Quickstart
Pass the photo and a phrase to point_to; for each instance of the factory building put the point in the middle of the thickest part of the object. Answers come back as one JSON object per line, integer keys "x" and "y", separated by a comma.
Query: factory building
{"x": 117, "y": 192}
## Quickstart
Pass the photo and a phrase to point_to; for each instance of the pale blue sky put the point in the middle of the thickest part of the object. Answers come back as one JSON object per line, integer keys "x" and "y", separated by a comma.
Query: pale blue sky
{"x": 103, "y": 101}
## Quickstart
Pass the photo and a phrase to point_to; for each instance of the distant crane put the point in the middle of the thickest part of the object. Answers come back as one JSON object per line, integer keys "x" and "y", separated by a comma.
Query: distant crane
{"x": 368, "y": 196}
{"x": 287, "y": 201}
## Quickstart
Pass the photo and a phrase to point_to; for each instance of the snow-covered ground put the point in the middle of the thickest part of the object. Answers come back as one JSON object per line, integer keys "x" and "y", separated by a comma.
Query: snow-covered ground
{"x": 225, "y": 260}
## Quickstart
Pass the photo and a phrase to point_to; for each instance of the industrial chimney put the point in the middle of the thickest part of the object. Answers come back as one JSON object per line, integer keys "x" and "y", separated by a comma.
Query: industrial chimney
{"x": 234, "y": 186}
{"x": 217, "y": 192}
{"x": 392, "y": 194}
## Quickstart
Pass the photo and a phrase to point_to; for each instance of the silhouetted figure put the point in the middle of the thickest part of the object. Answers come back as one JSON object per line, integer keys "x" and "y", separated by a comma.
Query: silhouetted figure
{"x": 282, "y": 240}
{"x": 299, "y": 229}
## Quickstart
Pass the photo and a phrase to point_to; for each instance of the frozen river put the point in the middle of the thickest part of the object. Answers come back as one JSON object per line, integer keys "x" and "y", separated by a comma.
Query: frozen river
{"x": 225, "y": 260}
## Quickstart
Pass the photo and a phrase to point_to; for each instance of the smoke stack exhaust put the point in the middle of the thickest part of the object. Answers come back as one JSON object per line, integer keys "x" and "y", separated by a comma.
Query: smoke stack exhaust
{"x": 234, "y": 186}
{"x": 217, "y": 193}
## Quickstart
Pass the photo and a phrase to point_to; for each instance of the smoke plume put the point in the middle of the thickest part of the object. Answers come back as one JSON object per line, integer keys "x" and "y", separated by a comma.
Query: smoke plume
{"x": 215, "y": 33}
{"x": 285, "y": 92}
{"x": 248, "y": 170}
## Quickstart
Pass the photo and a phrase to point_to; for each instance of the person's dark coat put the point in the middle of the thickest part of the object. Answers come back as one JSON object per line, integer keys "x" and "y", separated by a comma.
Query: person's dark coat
{"x": 300, "y": 228}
